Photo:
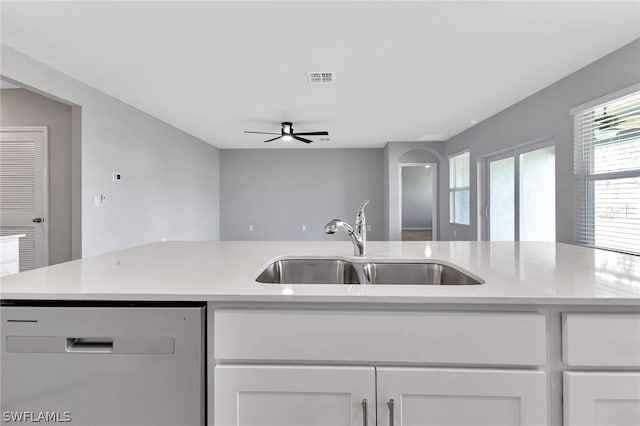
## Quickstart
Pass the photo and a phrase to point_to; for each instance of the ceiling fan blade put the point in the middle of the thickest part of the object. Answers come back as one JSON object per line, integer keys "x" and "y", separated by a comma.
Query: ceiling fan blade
{"x": 262, "y": 133}
{"x": 301, "y": 139}
{"x": 630, "y": 122}
{"x": 271, "y": 140}
{"x": 325, "y": 133}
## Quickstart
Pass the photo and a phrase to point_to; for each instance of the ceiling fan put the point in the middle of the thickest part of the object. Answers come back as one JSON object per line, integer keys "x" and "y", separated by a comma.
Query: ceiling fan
{"x": 287, "y": 134}
{"x": 609, "y": 125}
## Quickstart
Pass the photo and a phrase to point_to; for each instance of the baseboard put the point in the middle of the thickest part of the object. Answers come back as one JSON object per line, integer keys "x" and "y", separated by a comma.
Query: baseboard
{"x": 416, "y": 229}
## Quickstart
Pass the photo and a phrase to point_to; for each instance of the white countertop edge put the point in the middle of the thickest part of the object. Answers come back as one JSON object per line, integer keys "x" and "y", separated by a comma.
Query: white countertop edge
{"x": 358, "y": 300}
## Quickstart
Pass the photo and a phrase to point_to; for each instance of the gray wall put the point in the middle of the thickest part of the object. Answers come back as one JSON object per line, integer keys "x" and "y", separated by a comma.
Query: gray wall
{"x": 541, "y": 116}
{"x": 417, "y": 193}
{"x": 278, "y": 191}
{"x": 170, "y": 185}
{"x": 19, "y": 107}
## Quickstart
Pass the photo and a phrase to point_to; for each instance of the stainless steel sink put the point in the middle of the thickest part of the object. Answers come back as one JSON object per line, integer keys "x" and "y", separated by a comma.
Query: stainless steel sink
{"x": 338, "y": 271}
{"x": 415, "y": 274}
{"x": 309, "y": 271}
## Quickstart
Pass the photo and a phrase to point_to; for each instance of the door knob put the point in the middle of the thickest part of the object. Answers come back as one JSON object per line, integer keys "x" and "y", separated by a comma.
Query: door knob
{"x": 38, "y": 220}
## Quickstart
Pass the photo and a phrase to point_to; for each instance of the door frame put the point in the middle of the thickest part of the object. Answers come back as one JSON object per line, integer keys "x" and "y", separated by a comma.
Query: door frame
{"x": 45, "y": 185}
{"x": 434, "y": 203}
{"x": 484, "y": 199}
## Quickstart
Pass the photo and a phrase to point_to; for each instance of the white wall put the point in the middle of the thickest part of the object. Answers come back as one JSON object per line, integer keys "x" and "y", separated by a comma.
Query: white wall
{"x": 417, "y": 197}
{"x": 19, "y": 107}
{"x": 544, "y": 115}
{"x": 170, "y": 185}
{"x": 278, "y": 191}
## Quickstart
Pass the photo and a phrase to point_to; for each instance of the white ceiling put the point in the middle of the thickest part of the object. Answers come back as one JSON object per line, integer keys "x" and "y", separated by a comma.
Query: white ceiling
{"x": 405, "y": 71}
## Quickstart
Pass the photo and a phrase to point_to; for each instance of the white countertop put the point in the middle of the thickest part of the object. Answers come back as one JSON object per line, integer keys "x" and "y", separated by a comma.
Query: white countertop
{"x": 522, "y": 273}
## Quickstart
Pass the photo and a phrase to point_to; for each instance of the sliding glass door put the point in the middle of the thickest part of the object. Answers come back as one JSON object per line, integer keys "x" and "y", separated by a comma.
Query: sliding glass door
{"x": 502, "y": 196}
{"x": 520, "y": 196}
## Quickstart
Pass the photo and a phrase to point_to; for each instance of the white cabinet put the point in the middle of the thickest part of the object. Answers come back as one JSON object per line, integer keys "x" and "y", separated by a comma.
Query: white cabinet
{"x": 606, "y": 341}
{"x": 601, "y": 399}
{"x": 10, "y": 254}
{"x": 479, "y": 368}
{"x": 324, "y": 395}
{"x": 601, "y": 340}
{"x": 461, "y": 397}
{"x": 375, "y": 337}
{"x": 294, "y": 395}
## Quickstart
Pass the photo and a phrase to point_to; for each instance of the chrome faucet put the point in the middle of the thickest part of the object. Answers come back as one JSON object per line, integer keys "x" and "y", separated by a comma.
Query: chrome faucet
{"x": 358, "y": 236}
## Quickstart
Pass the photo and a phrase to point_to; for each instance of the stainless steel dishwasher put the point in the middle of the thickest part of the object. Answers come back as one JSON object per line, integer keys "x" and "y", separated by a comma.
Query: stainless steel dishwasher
{"x": 125, "y": 366}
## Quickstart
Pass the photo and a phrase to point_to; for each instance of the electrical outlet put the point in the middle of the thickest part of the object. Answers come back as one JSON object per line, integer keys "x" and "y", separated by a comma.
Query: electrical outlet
{"x": 250, "y": 228}
{"x": 455, "y": 233}
{"x": 368, "y": 228}
{"x": 96, "y": 201}
{"x": 116, "y": 176}
{"x": 304, "y": 228}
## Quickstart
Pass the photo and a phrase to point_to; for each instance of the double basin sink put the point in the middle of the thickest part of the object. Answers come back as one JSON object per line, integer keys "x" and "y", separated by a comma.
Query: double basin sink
{"x": 339, "y": 271}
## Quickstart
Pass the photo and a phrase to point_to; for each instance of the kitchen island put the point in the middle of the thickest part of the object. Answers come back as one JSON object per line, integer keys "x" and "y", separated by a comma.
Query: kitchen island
{"x": 514, "y": 273}
{"x": 552, "y": 336}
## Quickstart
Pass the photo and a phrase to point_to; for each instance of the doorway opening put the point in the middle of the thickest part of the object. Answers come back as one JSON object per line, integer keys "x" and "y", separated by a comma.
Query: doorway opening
{"x": 418, "y": 201}
{"x": 40, "y": 182}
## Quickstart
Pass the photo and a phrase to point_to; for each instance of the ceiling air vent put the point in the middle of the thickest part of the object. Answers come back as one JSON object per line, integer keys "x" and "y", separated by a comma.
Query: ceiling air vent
{"x": 325, "y": 77}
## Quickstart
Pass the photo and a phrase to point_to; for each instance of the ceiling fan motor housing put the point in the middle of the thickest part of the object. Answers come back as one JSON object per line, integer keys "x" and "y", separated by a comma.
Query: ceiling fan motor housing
{"x": 287, "y": 128}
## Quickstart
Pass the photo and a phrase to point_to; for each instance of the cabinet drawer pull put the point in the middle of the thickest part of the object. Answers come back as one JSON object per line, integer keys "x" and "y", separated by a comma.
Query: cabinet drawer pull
{"x": 390, "y": 405}
{"x": 365, "y": 421}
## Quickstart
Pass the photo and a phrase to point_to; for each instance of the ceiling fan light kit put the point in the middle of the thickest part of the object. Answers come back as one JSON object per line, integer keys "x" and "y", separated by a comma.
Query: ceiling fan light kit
{"x": 610, "y": 125}
{"x": 287, "y": 134}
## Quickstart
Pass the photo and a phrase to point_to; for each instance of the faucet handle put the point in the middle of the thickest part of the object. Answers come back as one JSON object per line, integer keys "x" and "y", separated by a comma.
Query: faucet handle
{"x": 360, "y": 215}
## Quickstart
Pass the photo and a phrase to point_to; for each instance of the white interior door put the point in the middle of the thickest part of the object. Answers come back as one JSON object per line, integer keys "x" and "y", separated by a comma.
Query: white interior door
{"x": 23, "y": 191}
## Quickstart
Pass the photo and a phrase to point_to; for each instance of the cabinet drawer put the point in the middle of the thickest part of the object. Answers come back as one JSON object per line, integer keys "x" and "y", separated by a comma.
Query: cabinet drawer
{"x": 466, "y": 338}
{"x": 601, "y": 340}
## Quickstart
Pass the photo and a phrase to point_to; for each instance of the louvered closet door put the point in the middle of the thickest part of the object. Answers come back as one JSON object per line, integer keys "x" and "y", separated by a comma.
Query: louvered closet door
{"x": 23, "y": 191}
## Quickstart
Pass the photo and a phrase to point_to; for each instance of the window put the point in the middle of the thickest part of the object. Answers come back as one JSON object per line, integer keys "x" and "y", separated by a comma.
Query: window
{"x": 459, "y": 188}
{"x": 521, "y": 194}
{"x": 607, "y": 174}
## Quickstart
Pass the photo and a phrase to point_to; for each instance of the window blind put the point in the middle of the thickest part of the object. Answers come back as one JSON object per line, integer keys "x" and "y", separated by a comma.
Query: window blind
{"x": 607, "y": 175}
{"x": 459, "y": 210}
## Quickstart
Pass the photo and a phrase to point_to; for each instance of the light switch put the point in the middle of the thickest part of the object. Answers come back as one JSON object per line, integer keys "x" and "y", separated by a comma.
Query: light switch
{"x": 96, "y": 201}
{"x": 304, "y": 228}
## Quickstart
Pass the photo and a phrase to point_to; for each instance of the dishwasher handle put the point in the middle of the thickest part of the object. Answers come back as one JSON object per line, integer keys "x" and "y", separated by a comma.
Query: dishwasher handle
{"x": 89, "y": 344}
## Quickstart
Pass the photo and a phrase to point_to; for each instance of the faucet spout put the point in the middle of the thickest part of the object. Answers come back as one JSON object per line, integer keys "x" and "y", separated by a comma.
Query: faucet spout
{"x": 333, "y": 226}
{"x": 357, "y": 236}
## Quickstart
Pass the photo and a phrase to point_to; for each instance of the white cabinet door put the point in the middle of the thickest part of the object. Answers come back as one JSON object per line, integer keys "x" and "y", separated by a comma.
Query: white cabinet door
{"x": 461, "y": 397}
{"x": 602, "y": 399}
{"x": 294, "y": 396}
